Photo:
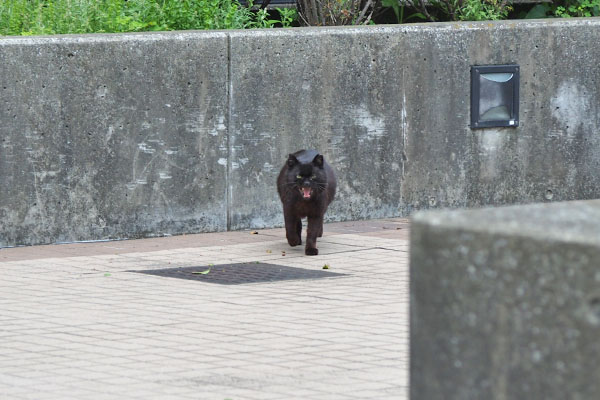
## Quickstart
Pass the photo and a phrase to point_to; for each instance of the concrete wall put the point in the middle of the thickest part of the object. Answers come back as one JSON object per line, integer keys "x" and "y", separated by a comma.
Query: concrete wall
{"x": 505, "y": 303}
{"x": 113, "y": 136}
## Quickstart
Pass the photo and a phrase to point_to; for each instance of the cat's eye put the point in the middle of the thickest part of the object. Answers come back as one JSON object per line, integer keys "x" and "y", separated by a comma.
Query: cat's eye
{"x": 313, "y": 177}
{"x": 298, "y": 177}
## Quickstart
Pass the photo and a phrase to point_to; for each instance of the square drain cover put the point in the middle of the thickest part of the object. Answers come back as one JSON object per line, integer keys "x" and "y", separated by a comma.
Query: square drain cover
{"x": 237, "y": 274}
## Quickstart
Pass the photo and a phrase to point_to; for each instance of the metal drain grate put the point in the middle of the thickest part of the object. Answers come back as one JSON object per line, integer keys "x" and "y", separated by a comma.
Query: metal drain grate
{"x": 238, "y": 274}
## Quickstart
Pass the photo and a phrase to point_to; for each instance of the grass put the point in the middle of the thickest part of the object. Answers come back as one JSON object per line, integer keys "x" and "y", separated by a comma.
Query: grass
{"x": 39, "y": 17}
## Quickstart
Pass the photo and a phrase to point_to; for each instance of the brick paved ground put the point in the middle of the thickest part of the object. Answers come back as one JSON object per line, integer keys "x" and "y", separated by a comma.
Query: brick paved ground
{"x": 77, "y": 321}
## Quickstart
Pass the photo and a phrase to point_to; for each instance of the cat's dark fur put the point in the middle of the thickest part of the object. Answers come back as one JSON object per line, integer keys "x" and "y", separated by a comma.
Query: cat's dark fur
{"x": 306, "y": 186}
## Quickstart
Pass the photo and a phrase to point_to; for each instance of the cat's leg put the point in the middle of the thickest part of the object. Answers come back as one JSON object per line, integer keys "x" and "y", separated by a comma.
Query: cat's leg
{"x": 321, "y": 229}
{"x": 312, "y": 231}
{"x": 299, "y": 230}
{"x": 291, "y": 229}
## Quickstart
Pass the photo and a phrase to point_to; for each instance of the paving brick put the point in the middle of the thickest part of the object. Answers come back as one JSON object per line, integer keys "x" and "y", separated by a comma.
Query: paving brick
{"x": 74, "y": 323}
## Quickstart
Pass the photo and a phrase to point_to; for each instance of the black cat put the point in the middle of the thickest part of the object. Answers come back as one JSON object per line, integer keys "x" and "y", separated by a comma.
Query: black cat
{"x": 306, "y": 186}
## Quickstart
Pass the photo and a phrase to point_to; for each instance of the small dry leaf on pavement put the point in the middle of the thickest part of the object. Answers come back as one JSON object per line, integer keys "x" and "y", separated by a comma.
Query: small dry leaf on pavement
{"x": 204, "y": 272}
{"x": 201, "y": 272}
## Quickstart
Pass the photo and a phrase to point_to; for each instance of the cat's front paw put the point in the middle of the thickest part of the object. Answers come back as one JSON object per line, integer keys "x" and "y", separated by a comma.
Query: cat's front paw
{"x": 294, "y": 241}
{"x": 311, "y": 251}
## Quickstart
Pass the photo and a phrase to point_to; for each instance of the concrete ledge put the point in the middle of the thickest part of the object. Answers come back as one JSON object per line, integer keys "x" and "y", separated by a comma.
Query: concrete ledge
{"x": 138, "y": 135}
{"x": 505, "y": 303}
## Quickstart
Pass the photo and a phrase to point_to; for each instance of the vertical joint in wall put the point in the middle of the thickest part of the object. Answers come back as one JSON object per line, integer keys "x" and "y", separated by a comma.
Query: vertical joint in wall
{"x": 228, "y": 134}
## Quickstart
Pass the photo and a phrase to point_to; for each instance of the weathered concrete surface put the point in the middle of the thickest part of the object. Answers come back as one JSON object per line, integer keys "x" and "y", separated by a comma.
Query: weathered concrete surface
{"x": 554, "y": 153}
{"x": 333, "y": 90}
{"x": 505, "y": 303}
{"x": 389, "y": 107}
{"x": 112, "y": 136}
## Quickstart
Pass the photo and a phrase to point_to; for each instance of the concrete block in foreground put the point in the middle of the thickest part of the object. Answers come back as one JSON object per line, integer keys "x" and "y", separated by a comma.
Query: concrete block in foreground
{"x": 505, "y": 303}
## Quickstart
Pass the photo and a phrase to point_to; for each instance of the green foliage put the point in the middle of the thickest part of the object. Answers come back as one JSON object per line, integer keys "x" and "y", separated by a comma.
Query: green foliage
{"x": 580, "y": 8}
{"x": 395, "y": 5}
{"x": 483, "y": 10}
{"x": 35, "y": 17}
{"x": 565, "y": 9}
{"x": 336, "y": 12}
{"x": 398, "y": 7}
{"x": 263, "y": 20}
{"x": 287, "y": 16}
{"x": 461, "y": 10}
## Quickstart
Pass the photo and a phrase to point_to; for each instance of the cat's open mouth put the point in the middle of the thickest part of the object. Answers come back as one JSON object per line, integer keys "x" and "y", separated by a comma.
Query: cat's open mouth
{"x": 306, "y": 192}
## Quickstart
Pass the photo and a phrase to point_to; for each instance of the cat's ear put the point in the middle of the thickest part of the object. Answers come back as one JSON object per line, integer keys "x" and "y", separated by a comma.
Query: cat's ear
{"x": 292, "y": 160}
{"x": 318, "y": 161}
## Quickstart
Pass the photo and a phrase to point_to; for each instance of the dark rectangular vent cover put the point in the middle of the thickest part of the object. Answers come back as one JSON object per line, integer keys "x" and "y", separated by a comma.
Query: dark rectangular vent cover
{"x": 238, "y": 274}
